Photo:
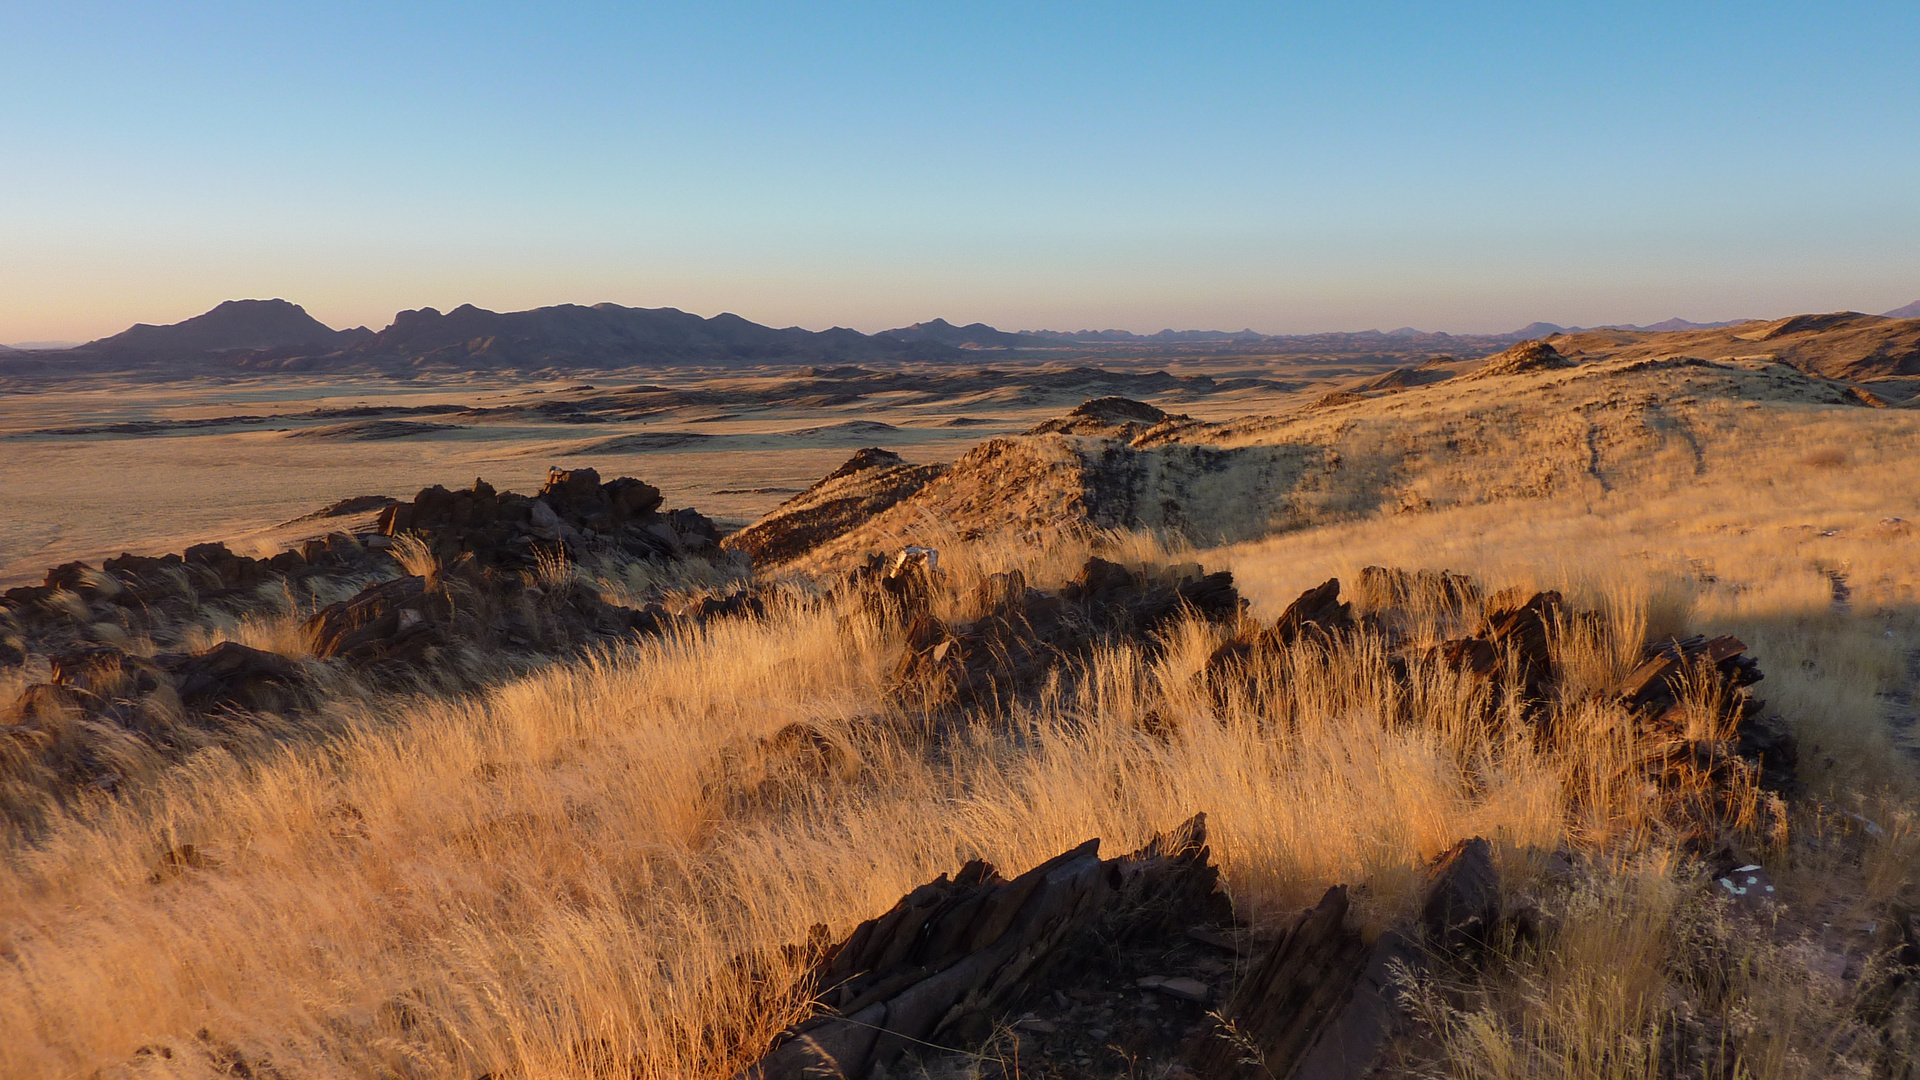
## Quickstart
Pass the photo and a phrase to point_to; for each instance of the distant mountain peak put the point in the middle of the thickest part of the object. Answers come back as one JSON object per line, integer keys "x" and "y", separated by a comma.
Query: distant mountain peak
{"x": 973, "y": 335}
{"x": 232, "y": 325}
{"x": 1910, "y": 311}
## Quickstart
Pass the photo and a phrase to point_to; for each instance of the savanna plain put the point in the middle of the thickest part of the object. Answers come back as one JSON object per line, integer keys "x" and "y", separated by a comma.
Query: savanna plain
{"x": 635, "y": 778}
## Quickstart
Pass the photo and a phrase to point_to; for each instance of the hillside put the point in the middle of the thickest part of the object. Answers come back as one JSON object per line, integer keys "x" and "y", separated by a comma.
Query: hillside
{"x": 1544, "y": 431}
{"x": 1840, "y": 345}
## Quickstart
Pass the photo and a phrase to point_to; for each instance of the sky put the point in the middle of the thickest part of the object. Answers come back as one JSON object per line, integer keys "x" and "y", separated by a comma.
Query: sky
{"x": 1285, "y": 167}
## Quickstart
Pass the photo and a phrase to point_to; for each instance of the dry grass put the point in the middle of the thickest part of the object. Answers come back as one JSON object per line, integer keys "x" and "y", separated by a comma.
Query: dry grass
{"x": 551, "y": 878}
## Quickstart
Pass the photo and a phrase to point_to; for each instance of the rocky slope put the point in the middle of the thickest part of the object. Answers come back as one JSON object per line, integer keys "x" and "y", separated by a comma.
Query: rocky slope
{"x": 1531, "y": 422}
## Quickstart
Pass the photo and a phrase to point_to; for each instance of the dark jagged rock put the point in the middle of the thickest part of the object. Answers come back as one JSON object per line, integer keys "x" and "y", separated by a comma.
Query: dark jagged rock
{"x": 1322, "y": 1001}
{"x": 103, "y": 707}
{"x": 1295, "y": 991}
{"x": 739, "y": 605}
{"x": 1316, "y": 614}
{"x": 1462, "y": 903}
{"x": 1136, "y": 604}
{"x": 1692, "y": 699}
{"x": 1318, "y": 610}
{"x": 955, "y": 954}
{"x": 1524, "y": 630}
{"x": 232, "y": 675}
{"x": 107, "y": 683}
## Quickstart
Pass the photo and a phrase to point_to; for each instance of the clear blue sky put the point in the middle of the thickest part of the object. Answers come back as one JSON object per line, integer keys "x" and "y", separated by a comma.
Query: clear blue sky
{"x": 1289, "y": 167}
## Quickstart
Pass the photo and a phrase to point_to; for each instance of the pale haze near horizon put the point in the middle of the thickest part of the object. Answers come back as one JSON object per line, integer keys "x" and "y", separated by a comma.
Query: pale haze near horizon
{"x": 1289, "y": 168}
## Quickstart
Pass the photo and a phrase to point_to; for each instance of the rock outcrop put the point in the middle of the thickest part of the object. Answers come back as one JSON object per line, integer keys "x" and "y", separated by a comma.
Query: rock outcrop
{"x": 1697, "y": 732}
{"x": 574, "y": 511}
{"x": 1322, "y": 1001}
{"x": 953, "y": 955}
{"x": 1022, "y": 635}
{"x": 871, "y": 482}
{"x": 1522, "y": 359}
{"x": 405, "y": 624}
{"x": 1108, "y": 418}
{"x": 1037, "y": 488}
{"x": 574, "y": 515}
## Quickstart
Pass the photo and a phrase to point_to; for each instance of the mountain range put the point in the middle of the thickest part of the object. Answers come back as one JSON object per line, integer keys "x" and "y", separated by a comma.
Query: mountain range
{"x": 276, "y": 334}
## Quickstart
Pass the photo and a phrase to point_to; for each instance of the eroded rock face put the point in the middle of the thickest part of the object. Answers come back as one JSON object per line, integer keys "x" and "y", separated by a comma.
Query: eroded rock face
{"x": 1039, "y": 488}
{"x": 869, "y": 483}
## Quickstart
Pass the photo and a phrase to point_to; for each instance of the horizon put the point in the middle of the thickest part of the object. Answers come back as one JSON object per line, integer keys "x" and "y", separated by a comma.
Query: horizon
{"x": 1139, "y": 167}
{"x": 66, "y": 344}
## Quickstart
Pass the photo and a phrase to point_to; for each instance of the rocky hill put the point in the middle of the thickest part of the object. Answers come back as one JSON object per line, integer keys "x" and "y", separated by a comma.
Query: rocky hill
{"x": 235, "y": 326}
